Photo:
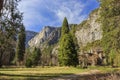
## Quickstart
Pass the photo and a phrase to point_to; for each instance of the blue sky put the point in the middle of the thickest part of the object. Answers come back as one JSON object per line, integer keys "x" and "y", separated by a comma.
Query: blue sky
{"x": 40, "y": 13}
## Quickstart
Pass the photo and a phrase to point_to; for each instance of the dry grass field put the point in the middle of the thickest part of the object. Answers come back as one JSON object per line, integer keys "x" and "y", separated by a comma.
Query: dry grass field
{"x": 45, "y": 73}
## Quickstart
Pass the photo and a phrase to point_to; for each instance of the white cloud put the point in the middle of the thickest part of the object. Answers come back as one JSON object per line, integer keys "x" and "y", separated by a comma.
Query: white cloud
{"x": 38, "y": 13}
{"x": 70, "y": 9}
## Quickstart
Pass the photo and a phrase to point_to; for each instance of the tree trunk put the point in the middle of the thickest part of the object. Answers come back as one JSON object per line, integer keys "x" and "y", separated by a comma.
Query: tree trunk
{"x": 1, "y": 5}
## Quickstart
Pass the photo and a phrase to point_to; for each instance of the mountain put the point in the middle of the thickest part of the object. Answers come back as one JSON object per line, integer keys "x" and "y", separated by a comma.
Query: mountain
{"x": 86, "y": 32}
{"x": 48, "y": 36}
{"x": 29, "y": 36}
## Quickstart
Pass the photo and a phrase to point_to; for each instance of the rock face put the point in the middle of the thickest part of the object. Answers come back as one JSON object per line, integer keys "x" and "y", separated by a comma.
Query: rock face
{"x": 48, "y": 36}
{"x": 29, "y": 36}
{"x": 89, "y": 30}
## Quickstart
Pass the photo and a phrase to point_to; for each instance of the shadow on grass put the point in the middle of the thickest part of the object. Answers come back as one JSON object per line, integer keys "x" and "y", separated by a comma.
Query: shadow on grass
{"x": 102, "y": 76}
{"x": 32, "y": 77}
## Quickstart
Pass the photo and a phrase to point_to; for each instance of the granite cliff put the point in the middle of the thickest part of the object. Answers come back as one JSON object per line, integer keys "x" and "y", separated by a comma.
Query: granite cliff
{"x": 48, "y": 36}
{"x": 89, "y": 30}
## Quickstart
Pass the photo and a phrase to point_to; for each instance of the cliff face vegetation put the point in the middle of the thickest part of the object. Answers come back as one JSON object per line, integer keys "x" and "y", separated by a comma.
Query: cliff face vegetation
{"x": 110, "y": 19}
{"x": 107, "y": 32}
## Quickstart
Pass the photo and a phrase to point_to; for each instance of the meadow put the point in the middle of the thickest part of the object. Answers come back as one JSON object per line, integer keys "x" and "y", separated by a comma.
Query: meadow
{"x": 48, "y": 72}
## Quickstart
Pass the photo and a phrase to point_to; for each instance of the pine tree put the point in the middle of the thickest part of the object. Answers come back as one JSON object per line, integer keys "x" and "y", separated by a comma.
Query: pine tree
{"x": 20, "y": 50}
{"x": 67, "y": 52}
{"x": 36, "y": 56}
{"x": 65, "y": 27}
{"x": 33, "y": 58}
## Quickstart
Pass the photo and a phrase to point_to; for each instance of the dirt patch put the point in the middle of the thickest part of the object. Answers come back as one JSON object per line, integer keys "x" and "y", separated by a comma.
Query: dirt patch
{"x": 91, "y": 75}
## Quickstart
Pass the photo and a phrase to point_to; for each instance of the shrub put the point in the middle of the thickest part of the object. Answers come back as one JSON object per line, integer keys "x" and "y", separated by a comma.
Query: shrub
{"x": 28, "y": 63}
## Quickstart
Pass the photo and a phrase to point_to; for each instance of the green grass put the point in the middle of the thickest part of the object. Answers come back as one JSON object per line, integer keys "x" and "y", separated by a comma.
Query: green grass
{"x": 45, "y": 73}
{"x": 38, "y": 73}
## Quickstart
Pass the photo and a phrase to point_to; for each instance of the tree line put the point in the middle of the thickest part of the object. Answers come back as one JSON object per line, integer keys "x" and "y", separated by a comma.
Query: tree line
{"x": 12, "y": 36}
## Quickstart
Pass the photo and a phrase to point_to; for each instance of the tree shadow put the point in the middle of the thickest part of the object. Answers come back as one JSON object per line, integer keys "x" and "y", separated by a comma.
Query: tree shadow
{"x": 62, "y": 76}
{"x": 33, "y": 77}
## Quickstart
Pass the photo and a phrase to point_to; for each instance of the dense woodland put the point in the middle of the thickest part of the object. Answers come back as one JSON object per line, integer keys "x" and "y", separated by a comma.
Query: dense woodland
{"x": 12, "y": 39}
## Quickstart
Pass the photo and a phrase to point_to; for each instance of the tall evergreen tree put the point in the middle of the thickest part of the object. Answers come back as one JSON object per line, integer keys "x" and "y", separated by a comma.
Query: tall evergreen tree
{"x": 67, "y": 53}
{"x": 65, "y": 27}
{"x": 20, "y": 50}
{"x": 36, "y": 56}
{"x": 33, "y": 58}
